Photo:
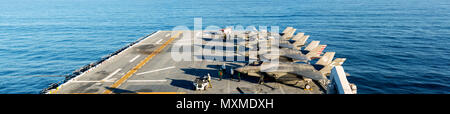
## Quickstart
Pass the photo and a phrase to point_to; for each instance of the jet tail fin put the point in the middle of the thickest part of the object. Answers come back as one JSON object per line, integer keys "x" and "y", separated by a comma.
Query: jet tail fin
{"x": 312, "y": 45}
{"x": 326, "y": 59}
{"x": 326, "y": 70}
{"x": 287, "y": 30}
{"x": 338, "y": 61}
{"x": 301, "y": 41}
{"x": 315, "y": 53}
{"x": 298, "y": 36}
{"x": 288, "y": 35}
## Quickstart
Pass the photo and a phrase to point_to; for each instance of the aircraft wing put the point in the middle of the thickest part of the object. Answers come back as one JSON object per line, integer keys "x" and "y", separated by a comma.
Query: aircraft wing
{"x": 315, "y": 75}
{"x": 293, "y": 54}
{"x": 289, "y": 53}
{"x": 304, "y": 70}
{"x": 247, "y": 69}
{"x": 296, "y": 57}
{"x": 287, "y": 45}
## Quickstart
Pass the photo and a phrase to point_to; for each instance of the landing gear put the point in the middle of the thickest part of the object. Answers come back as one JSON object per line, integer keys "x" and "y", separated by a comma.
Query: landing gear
{"x": 261, "y": 80}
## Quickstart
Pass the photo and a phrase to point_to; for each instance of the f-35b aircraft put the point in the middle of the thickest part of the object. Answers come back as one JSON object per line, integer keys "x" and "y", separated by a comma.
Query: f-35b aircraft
{"x": 296, "y": 42}
{"x": 293, "y": 55}
{"x": 288, "y": 50}
{"x": 293, "y": 71}
{"x": 316, "y": 71}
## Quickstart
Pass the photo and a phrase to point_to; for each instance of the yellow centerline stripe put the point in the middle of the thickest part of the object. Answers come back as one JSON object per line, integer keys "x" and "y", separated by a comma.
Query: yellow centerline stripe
{"x": 79, "y": 93}
{"x": 161, "y": 92}
{"x": 139, "y": 93}
{"x": 138, "y": 66}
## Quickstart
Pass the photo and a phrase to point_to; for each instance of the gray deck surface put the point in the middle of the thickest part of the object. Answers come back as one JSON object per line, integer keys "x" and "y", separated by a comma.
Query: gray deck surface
{"x": 162, "y": 74}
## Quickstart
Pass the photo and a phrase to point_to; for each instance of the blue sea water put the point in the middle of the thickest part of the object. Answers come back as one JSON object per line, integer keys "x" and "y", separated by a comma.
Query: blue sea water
{"x": 391, "y": 46}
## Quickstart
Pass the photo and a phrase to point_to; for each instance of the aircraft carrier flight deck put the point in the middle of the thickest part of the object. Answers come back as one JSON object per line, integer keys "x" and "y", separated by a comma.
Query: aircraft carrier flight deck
{"x": 147, "y": 67}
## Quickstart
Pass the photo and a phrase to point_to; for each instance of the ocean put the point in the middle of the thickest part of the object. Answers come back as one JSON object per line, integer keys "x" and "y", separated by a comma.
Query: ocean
{"x": 391, "y": 46}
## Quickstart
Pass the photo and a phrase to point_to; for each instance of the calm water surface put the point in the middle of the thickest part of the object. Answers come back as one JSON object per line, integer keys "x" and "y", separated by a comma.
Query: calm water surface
{"x": 391, "y": 46}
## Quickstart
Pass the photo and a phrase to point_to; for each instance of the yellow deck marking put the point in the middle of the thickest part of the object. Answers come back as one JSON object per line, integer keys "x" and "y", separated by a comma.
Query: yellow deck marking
{"x": 138, "y": 93}
{"x": 80, "y": 93}
{"x": 138, "y": 66}
{"x": 141, "y": 93}
{"x": 161, "y": 92}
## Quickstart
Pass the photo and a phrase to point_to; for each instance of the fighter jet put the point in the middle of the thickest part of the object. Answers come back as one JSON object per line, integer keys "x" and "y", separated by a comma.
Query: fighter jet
{"x": 289, "y": 51}
{"x": 298, "y": 36}
{"x": 312, "y": 51}
{"x": 283, "y": 72}
{"x": 288, "y": 33}
{"x": 294, "y": 43}
{"x": 286, "y": 40}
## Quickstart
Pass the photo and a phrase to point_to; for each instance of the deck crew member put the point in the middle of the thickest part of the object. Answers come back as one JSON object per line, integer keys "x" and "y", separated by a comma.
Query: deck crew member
{"x": 231, "y": 73}
{"x": 224, "y": 69}
{"x": 220, "y": 74}
{"x": 209, "y": 81}
{"x": 238, "y": 74}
